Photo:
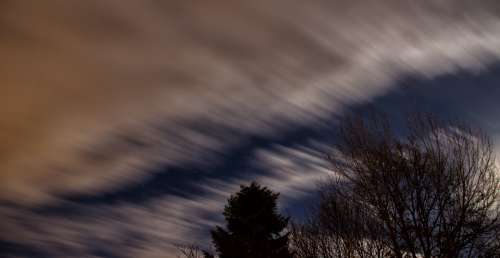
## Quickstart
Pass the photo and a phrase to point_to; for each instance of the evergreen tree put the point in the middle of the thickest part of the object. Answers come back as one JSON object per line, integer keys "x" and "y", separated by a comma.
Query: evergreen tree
{"x": 254, "y": 228}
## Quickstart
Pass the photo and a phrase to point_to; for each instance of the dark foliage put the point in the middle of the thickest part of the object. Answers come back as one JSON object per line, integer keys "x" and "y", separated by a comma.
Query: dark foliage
{"x": 254, "y": 227}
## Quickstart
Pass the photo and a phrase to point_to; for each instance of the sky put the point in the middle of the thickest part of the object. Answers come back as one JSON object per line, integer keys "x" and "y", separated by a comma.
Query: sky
{"x": 125, "y": 125}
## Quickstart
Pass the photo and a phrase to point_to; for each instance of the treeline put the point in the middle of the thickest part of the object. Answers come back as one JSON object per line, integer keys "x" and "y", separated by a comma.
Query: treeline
{"x": 432, "y": 191}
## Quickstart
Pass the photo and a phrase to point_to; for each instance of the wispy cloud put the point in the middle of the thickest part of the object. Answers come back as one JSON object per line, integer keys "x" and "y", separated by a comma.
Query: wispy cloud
{"x": 77, "y": 73}
{"x": 97, "y": 93}
{"x": 154, "y": 228}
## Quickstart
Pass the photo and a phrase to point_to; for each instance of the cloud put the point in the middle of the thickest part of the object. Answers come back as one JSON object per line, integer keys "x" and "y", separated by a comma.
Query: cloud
{"x": 154, "y": 228}
{"x": 79, "y": 73}
{"x": 97, "y": 93}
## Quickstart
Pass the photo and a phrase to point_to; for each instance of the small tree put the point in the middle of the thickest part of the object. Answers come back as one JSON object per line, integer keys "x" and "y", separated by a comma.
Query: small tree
{"x": 254, "y": 227}
{"x": 432, "y": 193}
{"x": 192, "y": 251}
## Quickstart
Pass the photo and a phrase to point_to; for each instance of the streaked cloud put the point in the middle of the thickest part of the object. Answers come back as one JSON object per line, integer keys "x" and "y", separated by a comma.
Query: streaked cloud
{"x": 154, "y": 228}
{"x": 97, "y": 93}
{"x": 76, "y": 74}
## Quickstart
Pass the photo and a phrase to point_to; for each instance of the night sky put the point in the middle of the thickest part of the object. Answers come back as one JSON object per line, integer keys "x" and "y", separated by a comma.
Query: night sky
{"x": 125, "y": 125}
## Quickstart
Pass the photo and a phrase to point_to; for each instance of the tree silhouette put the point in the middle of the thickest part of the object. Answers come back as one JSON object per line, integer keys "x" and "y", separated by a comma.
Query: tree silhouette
{"x": 432, "y": 193}
{"x": 254, "y": 228}
{"x": 192, "y": 251}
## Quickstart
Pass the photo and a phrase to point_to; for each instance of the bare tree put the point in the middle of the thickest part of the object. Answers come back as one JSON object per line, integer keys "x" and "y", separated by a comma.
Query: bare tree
{"x": 431, "y": 193}
{"x": 192, "y": 251}
{"x": 338, "y": 229}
